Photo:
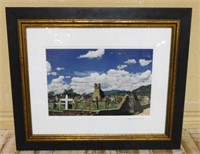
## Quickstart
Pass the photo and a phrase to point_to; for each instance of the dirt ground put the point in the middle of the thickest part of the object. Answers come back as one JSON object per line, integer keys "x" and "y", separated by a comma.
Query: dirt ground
{"x": 145, "y": 112}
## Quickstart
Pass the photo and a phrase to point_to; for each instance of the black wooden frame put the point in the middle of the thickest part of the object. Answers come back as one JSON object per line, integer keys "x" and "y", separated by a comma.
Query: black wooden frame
{"x": 13, "y": 14}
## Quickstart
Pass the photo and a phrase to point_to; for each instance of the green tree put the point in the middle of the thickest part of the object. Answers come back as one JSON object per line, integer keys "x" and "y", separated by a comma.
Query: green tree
{"x": 51, "y": 96}
{"x": 70, "y": 92}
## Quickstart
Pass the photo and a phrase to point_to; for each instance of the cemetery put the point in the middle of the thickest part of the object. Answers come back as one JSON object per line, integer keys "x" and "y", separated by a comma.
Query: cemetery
{"x": 100, "y": 104}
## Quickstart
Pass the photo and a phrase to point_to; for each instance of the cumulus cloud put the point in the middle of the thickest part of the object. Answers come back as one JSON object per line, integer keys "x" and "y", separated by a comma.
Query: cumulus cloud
{"x": 130, "y": 61}
{"x": 60, "y": 68}
{"x": 58, "y": 85}
{"x": 86, "y": 73}
{"x": 120, "y": 67}
{"x": 49, "y": 69}
{"x": 48, "y": 66}
{"x": 111, "y": 80}
{"x": 53, "y": 73}
{"x": 58, "y": 80}
{"x": 93, "y": 54}
{"x": 144, "y": 62}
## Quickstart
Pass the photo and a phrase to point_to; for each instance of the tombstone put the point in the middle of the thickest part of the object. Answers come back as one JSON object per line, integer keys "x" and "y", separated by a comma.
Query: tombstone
{"x": 66, "y": 102}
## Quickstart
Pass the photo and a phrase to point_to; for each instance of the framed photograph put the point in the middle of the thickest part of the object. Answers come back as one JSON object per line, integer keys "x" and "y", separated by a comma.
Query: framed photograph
{"x": 98, "y": 78}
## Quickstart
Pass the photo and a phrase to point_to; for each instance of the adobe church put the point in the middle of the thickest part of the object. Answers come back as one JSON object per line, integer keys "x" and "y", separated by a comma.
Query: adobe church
{"x": 98, "y": 93}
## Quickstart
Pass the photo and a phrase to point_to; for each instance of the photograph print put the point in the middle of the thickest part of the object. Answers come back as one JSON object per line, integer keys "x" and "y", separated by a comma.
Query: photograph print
{"x": 99, "y": 81}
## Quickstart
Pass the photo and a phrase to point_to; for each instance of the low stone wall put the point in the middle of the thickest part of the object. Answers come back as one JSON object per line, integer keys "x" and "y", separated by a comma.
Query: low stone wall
{"x": 73, "y": 112}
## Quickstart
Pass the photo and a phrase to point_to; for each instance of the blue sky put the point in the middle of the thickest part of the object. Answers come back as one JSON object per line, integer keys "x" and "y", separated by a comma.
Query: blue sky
{"x": 70, "y": 66}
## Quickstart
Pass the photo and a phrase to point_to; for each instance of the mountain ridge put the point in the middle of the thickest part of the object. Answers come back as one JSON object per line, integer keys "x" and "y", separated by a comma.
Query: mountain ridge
{"x": 142, "y": 91}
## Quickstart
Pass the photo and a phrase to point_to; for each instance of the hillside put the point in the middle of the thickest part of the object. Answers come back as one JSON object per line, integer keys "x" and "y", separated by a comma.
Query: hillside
{"x": 143, "y": 91}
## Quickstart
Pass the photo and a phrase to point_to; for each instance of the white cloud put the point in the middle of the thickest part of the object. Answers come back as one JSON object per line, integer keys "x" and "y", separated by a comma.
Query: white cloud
{"x": 48, "y": 66}
{"x": 53, "y": 73}
{"x": 113, "y": 72}
{"x": 145, "y": 74}
{"x": 86, "y": 73}
{"x": 93, "y": 54}
{"x": 60, "y": 68}
{"x": 49, "y": 70}
{"x": 58, "y": 80}
{"x": 111, "y": 80}
{"x": 130, "y": 61}
{"x": 120, "y": 67}
{"x": 58, "y": 85}
{"x": 144, "y": 62}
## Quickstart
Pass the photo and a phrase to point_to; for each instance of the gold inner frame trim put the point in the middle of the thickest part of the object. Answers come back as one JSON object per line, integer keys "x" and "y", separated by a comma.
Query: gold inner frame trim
{"x": 167, "y": 136}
